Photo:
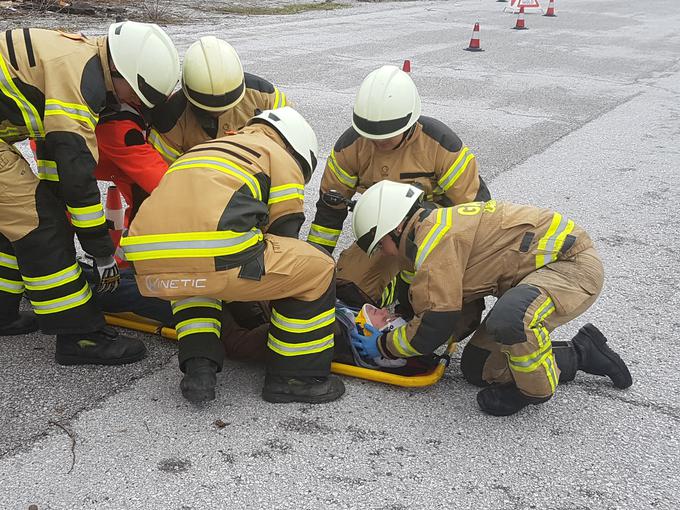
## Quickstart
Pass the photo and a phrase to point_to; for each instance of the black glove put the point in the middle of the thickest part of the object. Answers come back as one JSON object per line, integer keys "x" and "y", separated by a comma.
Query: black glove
{"x": 109, "y": 276}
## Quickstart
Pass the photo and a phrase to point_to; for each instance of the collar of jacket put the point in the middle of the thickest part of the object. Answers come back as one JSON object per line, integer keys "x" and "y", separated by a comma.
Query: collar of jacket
{"x": 407, "y": 246}
{"x": 416, "y": 130}
{"x": 102, "y": 45}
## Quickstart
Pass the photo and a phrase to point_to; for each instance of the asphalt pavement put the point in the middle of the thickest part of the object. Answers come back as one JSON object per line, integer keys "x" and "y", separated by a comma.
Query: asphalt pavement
{"x": 580, "y": 113}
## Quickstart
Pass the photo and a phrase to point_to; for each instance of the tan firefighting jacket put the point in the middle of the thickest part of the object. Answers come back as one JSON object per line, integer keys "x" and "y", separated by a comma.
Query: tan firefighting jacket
{"x": 432, "y": 157}
{"x": 462, "y": 253}
{"x": 211, "y": 208}
{"x": 178, "y": 125}
{"x": 52, "y": 87}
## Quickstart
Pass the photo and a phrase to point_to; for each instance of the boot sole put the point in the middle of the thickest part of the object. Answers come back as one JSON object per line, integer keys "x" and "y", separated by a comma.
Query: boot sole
{"x": 200, "y": 398}
{"x": 286, "y": 398}
{"x": 16, "y": 332}
{"x": 68, "y": 360}
{"x": 600, "y": 343}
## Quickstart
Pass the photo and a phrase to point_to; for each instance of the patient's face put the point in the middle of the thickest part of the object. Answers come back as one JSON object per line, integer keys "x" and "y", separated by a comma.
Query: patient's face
{"x": 379, "y": 317}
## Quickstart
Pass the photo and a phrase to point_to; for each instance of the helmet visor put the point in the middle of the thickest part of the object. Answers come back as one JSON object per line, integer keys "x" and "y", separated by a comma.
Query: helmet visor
{"x": 381, "y": 128}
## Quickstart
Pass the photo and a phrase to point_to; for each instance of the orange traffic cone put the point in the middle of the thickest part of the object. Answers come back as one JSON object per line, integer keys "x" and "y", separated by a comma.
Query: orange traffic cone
{"x": 474, "y": 40}
{"x": 520, "y": 20}
{"x": 551, "y": 10}
{"x": 407, "y": 66}
{"x": 115, "y": 215}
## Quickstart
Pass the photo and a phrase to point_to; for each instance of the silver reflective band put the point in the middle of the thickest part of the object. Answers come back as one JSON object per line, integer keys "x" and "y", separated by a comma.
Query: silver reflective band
{"x": 88, "y": 216}
{"x": 458, "y": 169}
{"x": 191, "y": 245}
{"x": 195, "y": 302}
{"x": 11, "y": 286}
{"x": 324, "y": 235}
{"x": 186, "y": 329}
{"x": 434, "y": 238}
{"x": 292, "y": 192}
{"x": 8, "y": 261}
{"x": 51, "y": 105}
{"x": 527, "y": 363}
{"x": 197, "y": 162}
{"x": 400, "y": 334}
{"x": 57, "y": 305}
{"x": 302, "y": 326}
{"x": 288, "y": 349}
{"x": 48, "y": 282}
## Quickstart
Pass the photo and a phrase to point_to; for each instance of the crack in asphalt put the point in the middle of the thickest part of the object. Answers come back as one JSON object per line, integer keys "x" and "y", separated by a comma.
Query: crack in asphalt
{"x": 29, "y": 442}
{"x": 670, "y": 411}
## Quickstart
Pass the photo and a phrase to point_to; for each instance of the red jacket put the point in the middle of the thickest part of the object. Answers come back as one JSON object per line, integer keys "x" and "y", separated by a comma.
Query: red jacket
{"x": 126, "y": 158}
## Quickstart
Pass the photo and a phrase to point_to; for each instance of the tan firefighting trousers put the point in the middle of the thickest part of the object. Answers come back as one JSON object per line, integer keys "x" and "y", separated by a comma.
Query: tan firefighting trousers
{"x": 37, "y": 254}
{"x": 555, "y": 294}
{"x": 298, "y": 280}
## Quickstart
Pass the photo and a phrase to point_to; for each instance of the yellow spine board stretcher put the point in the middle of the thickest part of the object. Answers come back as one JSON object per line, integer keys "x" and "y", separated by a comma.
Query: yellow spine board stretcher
{"x": 137, "y": 323}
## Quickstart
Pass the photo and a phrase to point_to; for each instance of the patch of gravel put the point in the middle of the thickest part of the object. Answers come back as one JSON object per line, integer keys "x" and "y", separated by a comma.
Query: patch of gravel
{"x": 55, "y": 13}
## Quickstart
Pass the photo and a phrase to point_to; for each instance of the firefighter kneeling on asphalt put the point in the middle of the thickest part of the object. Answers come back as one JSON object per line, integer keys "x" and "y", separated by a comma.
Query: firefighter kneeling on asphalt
{"x": 222, "y": 225}
{"x": 543, "y": 268}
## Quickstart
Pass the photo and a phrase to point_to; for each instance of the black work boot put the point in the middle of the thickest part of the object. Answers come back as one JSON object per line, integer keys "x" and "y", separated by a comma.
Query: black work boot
{"x": 103, "y": 347}
{"x": 312, "y": 390}
{"x": 26, "y": 322}
{"x": 200, "y": 378}
{"x": 505, "y": 399}
{"x": 595, "y": 357}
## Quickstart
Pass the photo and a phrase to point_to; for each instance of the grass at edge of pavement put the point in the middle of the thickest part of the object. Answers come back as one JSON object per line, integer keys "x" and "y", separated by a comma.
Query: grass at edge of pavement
{"x": 280, "y": 10}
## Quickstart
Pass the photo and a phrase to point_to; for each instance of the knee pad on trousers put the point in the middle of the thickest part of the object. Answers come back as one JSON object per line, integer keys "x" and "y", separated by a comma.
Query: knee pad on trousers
{"x": 472, "y": 364}
{"x": 505, "y": 322}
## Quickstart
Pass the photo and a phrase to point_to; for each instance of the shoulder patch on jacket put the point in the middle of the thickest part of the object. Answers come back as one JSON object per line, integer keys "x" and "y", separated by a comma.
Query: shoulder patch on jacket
{"x": 259, "y": 84}
{"x": 346, "y": 139}
{"x": 92, "y": 85}
{"x": 443, "y": 134}
{"x": 134, "y": 137}
{"x": 165, "y": 116}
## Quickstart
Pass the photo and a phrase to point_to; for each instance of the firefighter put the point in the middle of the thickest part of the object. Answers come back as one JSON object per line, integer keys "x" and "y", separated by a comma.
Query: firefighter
{"x": 390, "y": 139}
{"x": 223, "y": 225}
{"x": 53, "y": 86}
{"x": 216, "y": 97}
{"x": 543, "y": 268}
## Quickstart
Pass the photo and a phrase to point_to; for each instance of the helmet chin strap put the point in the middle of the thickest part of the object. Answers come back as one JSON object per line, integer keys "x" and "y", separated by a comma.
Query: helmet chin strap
{"x": 406, "y": 136}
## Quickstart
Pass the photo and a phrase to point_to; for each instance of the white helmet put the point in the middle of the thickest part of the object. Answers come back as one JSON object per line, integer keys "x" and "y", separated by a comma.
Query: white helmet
{"x": 146, "y": 58}
{"x": 380, "y": 210}
{"x": 212, "y": 76}
{"x": 295, "y": 131}
{"x": 386, "y": 105}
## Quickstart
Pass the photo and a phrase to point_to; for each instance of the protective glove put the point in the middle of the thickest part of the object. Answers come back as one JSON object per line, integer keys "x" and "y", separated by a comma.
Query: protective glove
{"x": 109, "y": 276}
{"x": 366, "y": 345}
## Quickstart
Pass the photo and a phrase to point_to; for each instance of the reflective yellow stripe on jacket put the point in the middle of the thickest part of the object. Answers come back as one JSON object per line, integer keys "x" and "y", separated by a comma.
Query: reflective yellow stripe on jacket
{"x": 30, "y": 115}
{"x": 188, "y": 245}
{"x": 156, "y": 140}
{"x": 323, "y": 235}
{"x": 286, "y": 192}
{"x": 442, "y": 225}
{"x": 455, "y": 171}
{"x": 279, "y": 98}
{"x": 551, "y": 243}
{"x": 75, "y": 111}
{"x": 47, "y": 170}
{"x": 86, "y": 217}
{"x": 345, "y": 178}
{"x": 223, "y": 165}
